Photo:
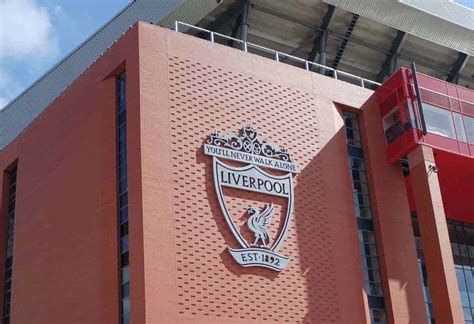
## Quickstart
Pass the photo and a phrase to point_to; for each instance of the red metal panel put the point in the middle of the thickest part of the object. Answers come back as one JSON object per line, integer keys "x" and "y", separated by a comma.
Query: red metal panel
{"x": 456, "y": 180}
{"x": 397, "y": 91}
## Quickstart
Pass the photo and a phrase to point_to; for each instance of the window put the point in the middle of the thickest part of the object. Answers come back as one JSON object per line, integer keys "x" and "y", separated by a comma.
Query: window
{"x": 469, "y": 125}
{"x": 461, "y": 236}
{"x": 459, "y": 125}
{"x": 367, "y": 239}
{"x": 392, "y": 126}
{"x": 378, "y": 316}
{"x": 7, "y": 284}
{"x": 122, "y": 198}
{"x": 352, "y": 132}
{"x": 422, "y": 269}
{"x": 439, "y": 121}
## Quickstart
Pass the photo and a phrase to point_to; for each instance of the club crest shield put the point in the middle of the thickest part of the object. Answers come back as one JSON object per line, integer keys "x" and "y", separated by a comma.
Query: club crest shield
{"x": 240, "y": 162}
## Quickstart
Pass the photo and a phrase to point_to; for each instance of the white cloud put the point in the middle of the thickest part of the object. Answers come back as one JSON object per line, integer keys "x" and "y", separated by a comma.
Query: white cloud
{"x": 9, "y": 88}
{"x": 28, "y": 44}
{"x": 26, "y": 31}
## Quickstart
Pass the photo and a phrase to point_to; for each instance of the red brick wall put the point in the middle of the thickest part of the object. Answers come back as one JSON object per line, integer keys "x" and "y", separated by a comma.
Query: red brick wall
{"x": 179, "y": 89}
{"x": 392, "y": 222}
{"x": 65, "y": 266}
{"x": 191, "y": 87}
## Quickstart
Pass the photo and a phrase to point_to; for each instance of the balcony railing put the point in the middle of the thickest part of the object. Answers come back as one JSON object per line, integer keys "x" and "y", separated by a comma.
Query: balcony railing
{"x": 283, "y": 57}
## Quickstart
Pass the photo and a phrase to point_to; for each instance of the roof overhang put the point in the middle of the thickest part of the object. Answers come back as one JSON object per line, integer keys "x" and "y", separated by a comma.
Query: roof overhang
{"x": 425, "y": 19}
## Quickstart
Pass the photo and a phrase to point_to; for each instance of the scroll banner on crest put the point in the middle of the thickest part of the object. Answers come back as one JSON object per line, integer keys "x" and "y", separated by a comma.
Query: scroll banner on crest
{"x": 245, "y": 157}
{"x": 252, "y": 257}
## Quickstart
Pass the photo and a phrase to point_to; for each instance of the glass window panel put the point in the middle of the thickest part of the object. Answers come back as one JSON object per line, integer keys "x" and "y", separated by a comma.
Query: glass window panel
{"x": 123, "y": 215}
{"x": 123, "y": 199}
{"x": 463, "y": 250}
{"x": 427, "y": 294}
{"x": 410, "y": 116}
{"x": 367, "y": 237}
{"x": 126, "y": 305}
{"x": 462, "y": 286}
{"x": 455, "y": 249}
{"x": 369, "y": 250}
{"x": 469, "y": 237}
{"x": 124, "y": 259}
{"x": 126, "y": 318}
{"x": 359, "y": 175}
{"x": 123, "y": 185}
{"x": 353, "y": 137}
{"x": 469, "y": 126}
{"x": 122, "y": 117}
{"x": 124, "y": 229}
{"x": 419, "y": 243}
{"x": 458, "y": 124}
{"x": 374, "y": 263}
{"x": 6, "y": 308}
{"x": 460, "y": 234}
{"x": 374, "y": 289}
{"x": 122, "y": 159}
{"x": 122, "y": 130}
{"x": 361, "y": 199}
{"x": 364, "y": 212}
{"x": 126, "y": 290}
{"x": 357, "y": 163}
{"x": 124, "y": 244}
{"x": 351, "y": 121}
{"x": 467, "y": 313}
{"x": 438, "y": 121}
{"x": 469, "y": 283}
{"x": 125, "y": 274}
{"x": 392, "y": 126}
{"x": 378, "y": 316}
{"x": 374, "y": 276}
{"x": 361, "y": 187}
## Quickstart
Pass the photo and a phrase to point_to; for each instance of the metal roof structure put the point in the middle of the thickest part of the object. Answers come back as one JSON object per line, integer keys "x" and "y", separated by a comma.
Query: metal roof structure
{"x": 370, "y": 38}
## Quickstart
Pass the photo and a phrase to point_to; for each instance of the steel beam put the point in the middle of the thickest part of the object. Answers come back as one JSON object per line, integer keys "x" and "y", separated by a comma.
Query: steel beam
{"x": 347, "y": 37}
{"x": 322, "y": 48}
{"x": 244, "y": 29}
{"x": 235, "y": 30}
{"x": 245, "y": 20}
{"x": 322, "y": 37}
{"x": 388, "y": 66}
{"x": 224, "y": 18}
{"x": 458, "y": 65}
{"x": 359, "y": 41}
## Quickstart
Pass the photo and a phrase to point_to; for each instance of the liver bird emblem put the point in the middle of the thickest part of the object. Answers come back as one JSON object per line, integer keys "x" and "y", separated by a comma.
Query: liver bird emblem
{"x": 258, "y": 223}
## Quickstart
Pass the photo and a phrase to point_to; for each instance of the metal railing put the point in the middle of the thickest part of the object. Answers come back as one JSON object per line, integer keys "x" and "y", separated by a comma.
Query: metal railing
{"x": 283, "y": 57}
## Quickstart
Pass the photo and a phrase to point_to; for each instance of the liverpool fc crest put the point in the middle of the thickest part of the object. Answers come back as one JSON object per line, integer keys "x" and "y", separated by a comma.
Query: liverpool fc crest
{"x": 256, "y": 226}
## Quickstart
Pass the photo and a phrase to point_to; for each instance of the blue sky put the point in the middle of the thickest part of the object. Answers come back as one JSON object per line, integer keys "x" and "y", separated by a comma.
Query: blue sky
{"x": 35, "y": 34}
{"x": 465, "y": 3}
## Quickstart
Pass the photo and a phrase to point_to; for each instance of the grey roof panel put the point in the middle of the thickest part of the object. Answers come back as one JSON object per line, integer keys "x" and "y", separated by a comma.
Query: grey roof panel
{"x": 25, "y": 108}
{"x": 417, "y": 22}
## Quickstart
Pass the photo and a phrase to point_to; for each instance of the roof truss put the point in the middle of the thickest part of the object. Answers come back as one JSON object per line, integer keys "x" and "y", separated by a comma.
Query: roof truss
{"x": 458, "y": 65}
{"x": 388, "y": 66}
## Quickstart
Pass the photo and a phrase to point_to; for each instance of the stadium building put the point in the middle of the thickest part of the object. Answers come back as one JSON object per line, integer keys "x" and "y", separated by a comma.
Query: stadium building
{"x": 256, "y": 161}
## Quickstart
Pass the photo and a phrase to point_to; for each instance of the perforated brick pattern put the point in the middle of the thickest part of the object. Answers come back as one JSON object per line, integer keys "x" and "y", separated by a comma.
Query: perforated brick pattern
{"x": 210, "y": 283}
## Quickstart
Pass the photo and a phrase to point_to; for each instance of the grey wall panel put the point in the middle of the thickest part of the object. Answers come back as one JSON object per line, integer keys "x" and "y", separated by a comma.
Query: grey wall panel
{"x": 19, "y": 113}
